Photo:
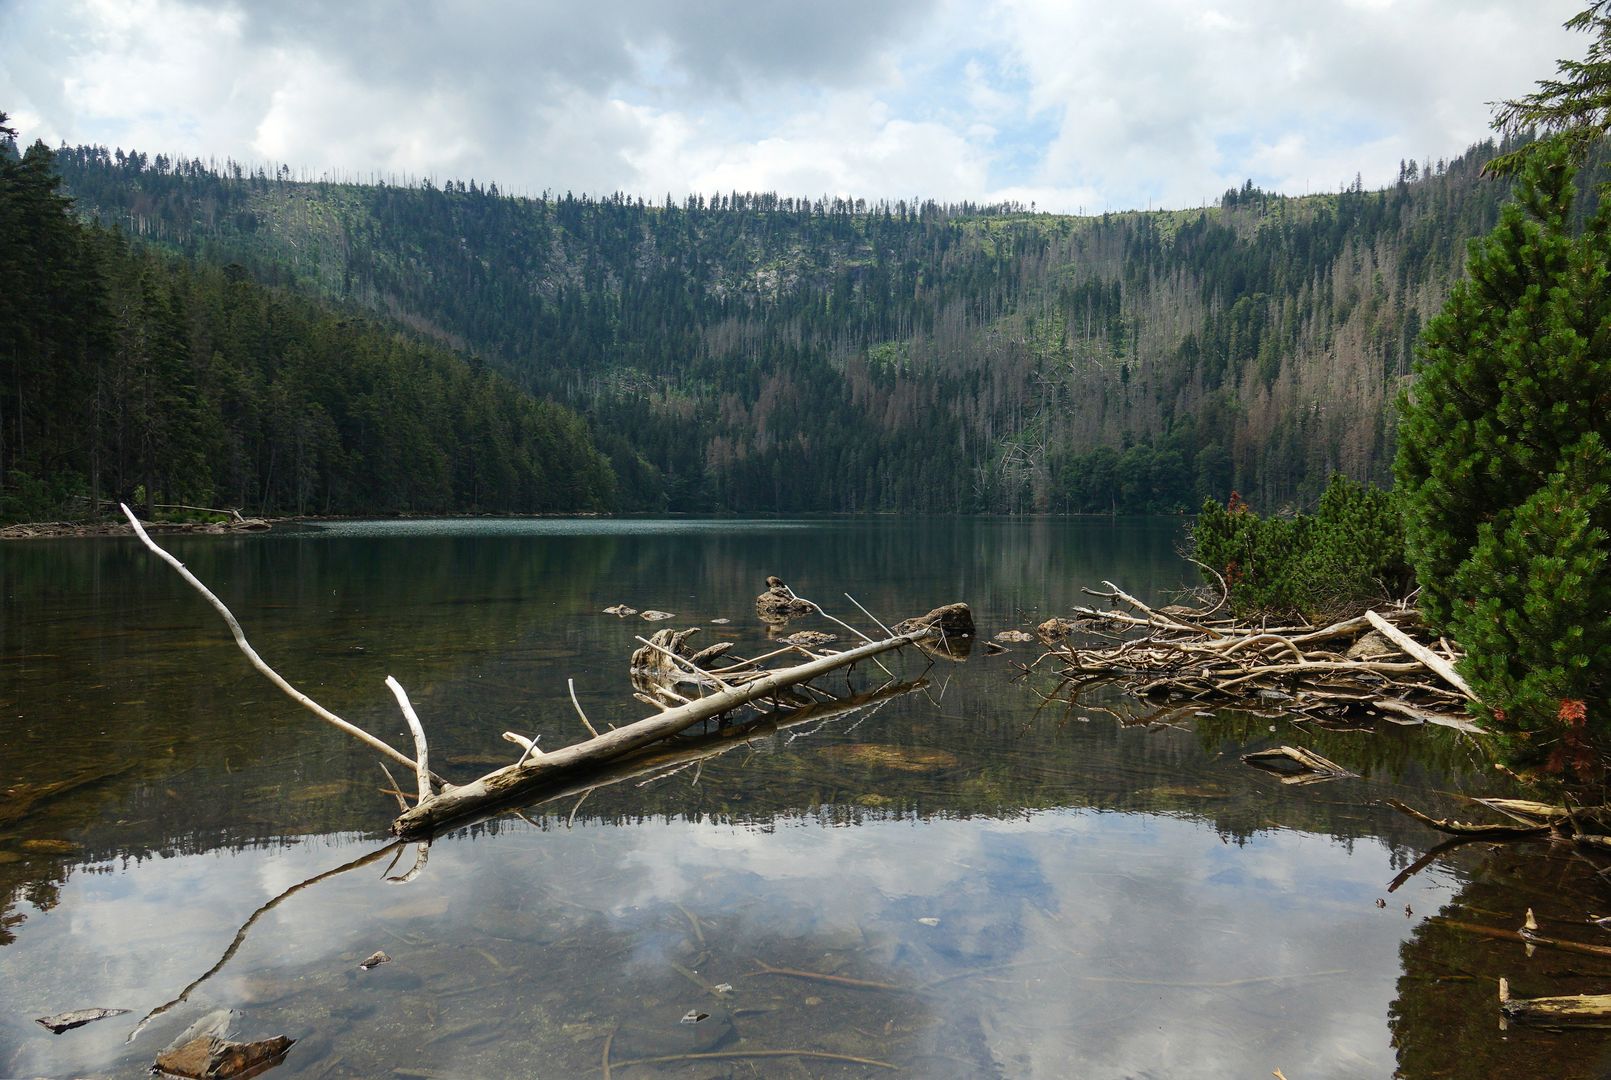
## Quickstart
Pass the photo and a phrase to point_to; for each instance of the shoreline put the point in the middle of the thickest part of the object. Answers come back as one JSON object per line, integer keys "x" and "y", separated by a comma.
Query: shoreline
{"x": 72, "y": 530}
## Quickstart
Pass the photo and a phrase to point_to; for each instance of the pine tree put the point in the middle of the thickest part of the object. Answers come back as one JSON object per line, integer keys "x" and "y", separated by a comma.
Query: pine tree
{"x": 1502, "y": 473}
{"x": 1572, "y": 111}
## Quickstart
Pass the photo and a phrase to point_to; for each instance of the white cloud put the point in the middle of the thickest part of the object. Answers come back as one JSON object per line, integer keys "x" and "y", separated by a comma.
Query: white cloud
{"x": 1067, "y": 104}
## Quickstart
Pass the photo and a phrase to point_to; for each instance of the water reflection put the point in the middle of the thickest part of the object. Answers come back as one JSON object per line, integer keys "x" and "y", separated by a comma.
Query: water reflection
{"x": 1034, "y": 892}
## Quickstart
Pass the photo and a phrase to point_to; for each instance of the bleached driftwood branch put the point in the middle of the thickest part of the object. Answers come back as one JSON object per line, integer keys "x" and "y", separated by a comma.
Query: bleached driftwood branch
{"x": 257, "y": 661}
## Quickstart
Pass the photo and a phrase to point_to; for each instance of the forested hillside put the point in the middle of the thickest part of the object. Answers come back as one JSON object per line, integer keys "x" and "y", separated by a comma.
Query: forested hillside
{"x": 752, "y": 352}
{"x": 133, "y": 374}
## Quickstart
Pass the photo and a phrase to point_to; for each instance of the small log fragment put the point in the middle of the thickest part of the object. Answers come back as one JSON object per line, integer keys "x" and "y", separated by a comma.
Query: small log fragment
{"x": 1295, "y": 765}
{"x": 952, "y": 620}
{"x": 67, "y": 1021}
{"x": 1571, "y": 1011}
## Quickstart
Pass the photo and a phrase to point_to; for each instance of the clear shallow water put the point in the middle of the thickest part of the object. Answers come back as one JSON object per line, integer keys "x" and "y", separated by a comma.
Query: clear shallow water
{"x": 1034, "y": 891}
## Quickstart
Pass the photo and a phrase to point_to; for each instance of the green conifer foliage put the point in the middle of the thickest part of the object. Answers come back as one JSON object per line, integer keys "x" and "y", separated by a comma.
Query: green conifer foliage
{"x": 1335, "y": 563}
{"x": 1539, "y": 639}
{"x": 1504, "y": 477}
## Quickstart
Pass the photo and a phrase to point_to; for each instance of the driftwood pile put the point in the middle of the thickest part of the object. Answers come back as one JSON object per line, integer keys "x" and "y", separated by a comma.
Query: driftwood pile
{"x": 1372, "y": 662}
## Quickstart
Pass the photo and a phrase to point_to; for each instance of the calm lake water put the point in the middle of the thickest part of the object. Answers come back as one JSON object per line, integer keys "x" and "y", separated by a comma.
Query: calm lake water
{"x": 982, "y": 884}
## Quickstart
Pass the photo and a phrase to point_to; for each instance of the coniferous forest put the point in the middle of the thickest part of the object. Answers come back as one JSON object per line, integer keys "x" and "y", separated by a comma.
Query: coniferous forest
{"x": 288, "y": 345}
{"x": 134, "y": 373}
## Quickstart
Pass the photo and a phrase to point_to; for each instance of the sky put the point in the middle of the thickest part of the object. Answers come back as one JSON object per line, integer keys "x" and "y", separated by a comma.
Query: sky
{"x": 1072, "y": 105}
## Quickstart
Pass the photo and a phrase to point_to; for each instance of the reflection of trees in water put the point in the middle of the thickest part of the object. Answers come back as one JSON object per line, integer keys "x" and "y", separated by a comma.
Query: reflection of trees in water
{"x": 1445, "y": 1020}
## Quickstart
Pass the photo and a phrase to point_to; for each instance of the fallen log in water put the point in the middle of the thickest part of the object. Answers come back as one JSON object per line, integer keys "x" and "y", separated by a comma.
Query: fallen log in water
{"x": 661, "y": 668}
{"x": 1369, "y": 662}
{"x": 503, "y": 784}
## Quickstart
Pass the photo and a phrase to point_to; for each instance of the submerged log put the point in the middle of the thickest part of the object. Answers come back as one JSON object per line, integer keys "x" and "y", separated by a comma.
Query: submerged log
{"x": 1469, "y": 828}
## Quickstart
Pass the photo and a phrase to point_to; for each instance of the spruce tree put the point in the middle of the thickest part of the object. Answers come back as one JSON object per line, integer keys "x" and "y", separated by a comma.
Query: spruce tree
{"x": 1503, "y": 474}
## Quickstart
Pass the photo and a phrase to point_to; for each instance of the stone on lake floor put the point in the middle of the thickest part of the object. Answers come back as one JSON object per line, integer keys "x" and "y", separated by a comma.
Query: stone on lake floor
{"x": 675, "y": 1033}
{"x": 620, "y": 610}
{"x": 77, "y": 1018}
{"x": 810, "y": 638}
{"x": 1014, "y": 635}
{"x": 374, "y": 959}
{"x": 208, "y": 1057}
{"x": 882, "y": 756}
{"x": 720, "y": 622}
{"x": 656, "y": 616}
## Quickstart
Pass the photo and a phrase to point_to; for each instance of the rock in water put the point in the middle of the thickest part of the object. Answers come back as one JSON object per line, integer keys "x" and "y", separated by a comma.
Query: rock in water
{"x": 1055, "y": 629}
{"x": 1014, "y": 635}
{"x": 208, "y": 1057}
{"x": 620, "y": 610}
{"x": 77, "y": 1018}
{"x": 374, "y": 959}
{"x": 810, "y": 638}
{"x": 779, "y": 601}
{"x": 953, "y": 620}
{"x": 656, "y": 616}
{"x": 882, "y": 756}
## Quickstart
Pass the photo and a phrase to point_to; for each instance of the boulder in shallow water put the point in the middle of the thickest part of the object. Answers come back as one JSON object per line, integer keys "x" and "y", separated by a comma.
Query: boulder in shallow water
{"x": 208, "y": 1057}
{"x": 810, "y": 638}
{"x": 779, "y": 602}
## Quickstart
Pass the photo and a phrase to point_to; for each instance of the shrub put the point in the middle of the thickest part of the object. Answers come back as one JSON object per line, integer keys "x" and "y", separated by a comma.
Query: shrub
{"x": 1346, "y": 557}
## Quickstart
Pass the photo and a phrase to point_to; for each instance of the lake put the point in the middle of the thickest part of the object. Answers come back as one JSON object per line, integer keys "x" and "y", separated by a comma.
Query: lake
{"x": 964, "y": 880}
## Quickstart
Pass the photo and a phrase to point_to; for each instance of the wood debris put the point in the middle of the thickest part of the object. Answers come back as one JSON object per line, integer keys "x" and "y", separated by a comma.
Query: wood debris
{"x": 1571, "y": 1011}
{"x": 77, "y": 1018}
{"x": 1295, "y": 765}
{"x": 1359, "y": 665}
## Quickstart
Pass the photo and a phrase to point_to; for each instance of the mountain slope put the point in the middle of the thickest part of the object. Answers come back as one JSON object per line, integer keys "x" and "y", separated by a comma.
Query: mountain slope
{"x": 775, "y": 354}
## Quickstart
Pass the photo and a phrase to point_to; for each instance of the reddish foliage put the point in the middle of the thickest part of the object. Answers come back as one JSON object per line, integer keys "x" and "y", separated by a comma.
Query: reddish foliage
{"x": 1574, "y": 750}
